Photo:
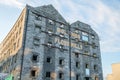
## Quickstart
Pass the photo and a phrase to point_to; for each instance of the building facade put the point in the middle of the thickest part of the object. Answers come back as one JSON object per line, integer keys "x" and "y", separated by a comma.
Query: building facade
{"x": 115, "y": 72}
{"x": 43, "y": 46}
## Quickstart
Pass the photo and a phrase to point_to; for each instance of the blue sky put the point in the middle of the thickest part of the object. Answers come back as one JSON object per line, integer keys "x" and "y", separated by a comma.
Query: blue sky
{"x": 102, "y": 15}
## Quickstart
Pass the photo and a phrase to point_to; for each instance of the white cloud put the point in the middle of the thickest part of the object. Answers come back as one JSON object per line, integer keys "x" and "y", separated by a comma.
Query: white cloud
{"x": 101, "y": 17}
{"x": 13, "y": 3}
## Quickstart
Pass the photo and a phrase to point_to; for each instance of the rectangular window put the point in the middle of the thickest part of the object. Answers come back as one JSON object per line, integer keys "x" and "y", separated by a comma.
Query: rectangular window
{"x": 61, "y": 62}
{"x": 77, "y": 55}
{"x": 49, "y": 60}
{"x": 77, "y": 64}
{"x": 48, "y": 74}
{"x": 34, "y": 57}
{"x": 87, "y": 78}
{"x": 84, "y": 36}
{"x": 77, "y": 77}
{"x": 33, "y": 73}
{"x": 61, "y": 75}
{"x": 87, "y": 70}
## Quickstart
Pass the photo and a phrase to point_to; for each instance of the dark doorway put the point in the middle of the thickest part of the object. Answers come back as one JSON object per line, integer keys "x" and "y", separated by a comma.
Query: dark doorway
{"x": 87, "y": 78}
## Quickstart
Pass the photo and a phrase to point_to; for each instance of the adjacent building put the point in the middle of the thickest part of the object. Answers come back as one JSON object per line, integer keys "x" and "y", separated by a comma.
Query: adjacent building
{"x": 43, "y": 46}
{"x": 115, "y": 72}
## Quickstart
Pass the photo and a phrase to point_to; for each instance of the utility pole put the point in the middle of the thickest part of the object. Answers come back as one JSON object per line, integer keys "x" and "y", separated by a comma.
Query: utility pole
{"x": 69, "y": 49}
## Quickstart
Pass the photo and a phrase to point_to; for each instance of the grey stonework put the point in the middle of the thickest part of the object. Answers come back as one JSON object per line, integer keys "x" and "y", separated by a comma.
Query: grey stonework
{"x": 39, "y": 41}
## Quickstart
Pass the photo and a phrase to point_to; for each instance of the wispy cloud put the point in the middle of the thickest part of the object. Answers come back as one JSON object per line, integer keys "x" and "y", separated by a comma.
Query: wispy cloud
{"x": 100, "y": 16}
{"x": 13, "y": 3}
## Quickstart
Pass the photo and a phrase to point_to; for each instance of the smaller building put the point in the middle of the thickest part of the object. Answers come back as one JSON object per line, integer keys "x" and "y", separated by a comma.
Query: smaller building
{"x": 115, "y": 72}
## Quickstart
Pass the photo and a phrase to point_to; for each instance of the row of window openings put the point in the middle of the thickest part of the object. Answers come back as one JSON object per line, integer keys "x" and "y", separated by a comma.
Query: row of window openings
{"x": 84, "y": 37}
{"x": 61, "y": 61}
{"x": 48, "y": 59}
{"x": 60, "y": 76}
{"x": 36, "y": 42}
{"x": 86, "y": 52}
{"x": 51, "y": 22}
{"x": 84, "y": 34}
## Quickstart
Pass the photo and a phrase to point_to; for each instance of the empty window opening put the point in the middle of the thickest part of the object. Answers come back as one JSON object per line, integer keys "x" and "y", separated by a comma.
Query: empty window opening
{"x": 61, "y": 75}
{"x": 77, "y": 77}
{"x": 33, "y": 73}
{"x": 49, "y": 60}
{"x": 87, "y": 78}
{"x": 77, "y": 64}
{"x": 61, "y": 61}
{"x": 77, "y": 55}
{"x": 86, "y": 66}
{"x": 95, "y": 67}
{"x": 48, "y": 74}
{"x": 35, "y": 57}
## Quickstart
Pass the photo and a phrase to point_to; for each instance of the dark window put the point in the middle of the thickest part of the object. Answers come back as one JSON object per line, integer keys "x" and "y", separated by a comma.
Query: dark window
{"x": 87, "y": 78}
{"x": 61, "y": 61}
{"x": 77, "y": 77}
{"x": 77, "y": 64}
{"x": 95, "y": 67}
{"x": 48, "y": 74}
{"x": 77, "y": 55}
{"x": 35, "y": 57}
{"x": 33, "y": 73}
{"x": 61, "y": 75}
{"x": 86, "y": 66}
{"x": 49, "y": 60}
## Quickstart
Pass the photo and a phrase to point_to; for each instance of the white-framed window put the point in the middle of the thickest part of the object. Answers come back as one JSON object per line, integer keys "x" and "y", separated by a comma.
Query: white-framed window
{"x": 85, "y": 36}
